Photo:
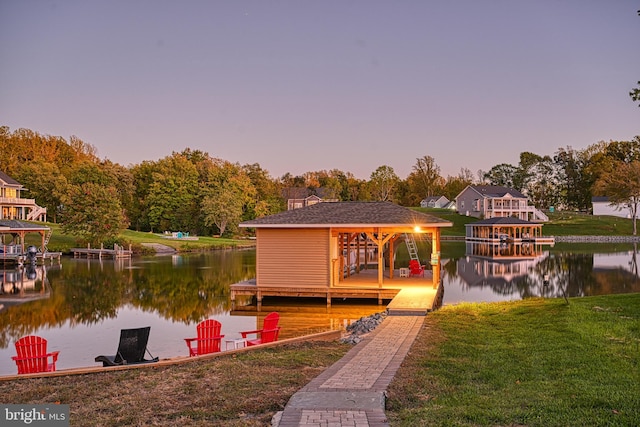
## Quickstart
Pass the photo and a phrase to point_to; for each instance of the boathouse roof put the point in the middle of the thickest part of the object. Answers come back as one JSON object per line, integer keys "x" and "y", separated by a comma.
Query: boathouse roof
{"x": 348, "y": 214}
{"x": 14, "y": 224}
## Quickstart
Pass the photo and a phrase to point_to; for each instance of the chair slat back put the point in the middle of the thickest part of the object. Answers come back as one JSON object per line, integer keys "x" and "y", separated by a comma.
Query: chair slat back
{"x": 209, "y": 336}
{"x": 32, "y": 350}
{"x": 133, "y": 344}
{"x": 270, "y": 328}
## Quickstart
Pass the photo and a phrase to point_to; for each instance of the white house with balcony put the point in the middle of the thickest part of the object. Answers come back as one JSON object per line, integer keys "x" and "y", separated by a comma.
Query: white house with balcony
{"x": 492, "y": 201}
{"x": 12, "y": 206}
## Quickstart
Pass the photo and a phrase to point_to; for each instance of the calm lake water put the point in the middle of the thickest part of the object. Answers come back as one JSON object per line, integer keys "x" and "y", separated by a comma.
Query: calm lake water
{"x": 85, "y": 303}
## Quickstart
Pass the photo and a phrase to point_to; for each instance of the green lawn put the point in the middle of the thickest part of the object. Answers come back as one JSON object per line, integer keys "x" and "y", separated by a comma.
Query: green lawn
{"x": 528, "y": 363}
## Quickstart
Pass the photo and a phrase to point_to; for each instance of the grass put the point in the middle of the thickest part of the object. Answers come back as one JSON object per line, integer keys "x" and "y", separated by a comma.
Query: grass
{"x": 528, "y": 363}
{"x": 580, "y": 224}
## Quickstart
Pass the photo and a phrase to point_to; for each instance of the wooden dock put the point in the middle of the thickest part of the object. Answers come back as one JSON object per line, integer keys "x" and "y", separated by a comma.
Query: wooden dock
{"x": 116, "y": 253}
{"x": 22, "y": 258}
{"x": 406, "y": 295}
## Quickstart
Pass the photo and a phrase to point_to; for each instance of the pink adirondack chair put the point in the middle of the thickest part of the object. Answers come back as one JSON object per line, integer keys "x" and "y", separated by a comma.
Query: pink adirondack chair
{"x": 208, "y": 339}
{"x": 415, "y": 269}
{"x": 32, "y": 356}
{"x": 268, "y": 333}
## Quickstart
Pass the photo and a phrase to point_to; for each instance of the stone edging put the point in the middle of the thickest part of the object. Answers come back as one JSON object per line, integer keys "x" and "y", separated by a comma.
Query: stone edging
{"x": 597, "y": 239}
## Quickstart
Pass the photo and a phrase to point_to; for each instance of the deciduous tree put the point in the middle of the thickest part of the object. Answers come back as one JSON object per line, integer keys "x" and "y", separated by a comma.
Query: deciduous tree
{"x": 622, "y": 186}
{"x": 172, "y": 194}
{"x": 383, "y": 183}
{"x": 93, "y": 212}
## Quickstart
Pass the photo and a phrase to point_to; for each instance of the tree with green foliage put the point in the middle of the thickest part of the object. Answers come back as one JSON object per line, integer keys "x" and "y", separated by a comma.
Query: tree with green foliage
{"x": 45, "y": 184}
{"x": 172, "y": 194}
{"x": 503, "y": 174}
{"x": 383, "y": 184}
{"x": 576, "y": 183}
{"x": 635, "y": 94}
{"x": 424, "y": 180}
{"x": 138, "y": 212}
{"x": 455, "y": 184}
{"x": 268, "y": 196}
{"x": 622, "y": 186}
{"x": 93, "y": 212}
{"x": 226, "y": 197}
{"x": 92, "y": 208}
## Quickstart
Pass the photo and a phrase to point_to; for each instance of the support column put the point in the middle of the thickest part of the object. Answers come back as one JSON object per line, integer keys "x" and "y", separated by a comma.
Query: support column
{"x": 435, "y": 257}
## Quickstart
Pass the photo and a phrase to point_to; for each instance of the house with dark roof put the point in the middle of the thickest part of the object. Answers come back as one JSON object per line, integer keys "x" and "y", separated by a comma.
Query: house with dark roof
{"x": 337, "y": 250}
{"x": 13, "y": 206}
{"x": 300, "y": 197}
{"x": 434, "y": 202}
{"x": 490, "y": 201}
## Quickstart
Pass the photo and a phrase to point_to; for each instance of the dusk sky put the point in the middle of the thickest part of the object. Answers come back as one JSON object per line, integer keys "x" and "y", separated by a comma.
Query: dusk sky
{"x": 301, "y": 86}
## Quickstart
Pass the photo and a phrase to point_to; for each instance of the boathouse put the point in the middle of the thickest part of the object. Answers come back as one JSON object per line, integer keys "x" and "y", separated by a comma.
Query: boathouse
{"x": 13, "y": 239}
{"x": 340, "y": 250}
{"x": 506, "y": 229}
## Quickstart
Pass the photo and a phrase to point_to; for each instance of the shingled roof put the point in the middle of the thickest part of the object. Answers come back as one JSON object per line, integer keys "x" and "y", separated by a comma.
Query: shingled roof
{"x": 14, "y": 224}
{"x": 7, "y": 179}
{"x": 348, "y": 214}
{"x": 497, "y": 191}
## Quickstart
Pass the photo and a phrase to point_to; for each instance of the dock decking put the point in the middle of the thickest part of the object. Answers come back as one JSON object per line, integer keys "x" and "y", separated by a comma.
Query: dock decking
{"x": 100, "y": 253}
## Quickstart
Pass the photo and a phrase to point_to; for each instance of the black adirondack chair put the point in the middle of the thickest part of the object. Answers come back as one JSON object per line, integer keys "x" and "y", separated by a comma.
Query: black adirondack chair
{"x": 131, "y": 349}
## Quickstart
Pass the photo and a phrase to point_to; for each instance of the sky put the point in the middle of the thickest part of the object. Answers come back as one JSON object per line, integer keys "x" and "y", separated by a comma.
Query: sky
{"x": 299, "y": 86}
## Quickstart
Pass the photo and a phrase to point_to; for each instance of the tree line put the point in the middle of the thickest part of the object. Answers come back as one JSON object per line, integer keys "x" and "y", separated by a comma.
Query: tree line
{"x": 193, "y": 192}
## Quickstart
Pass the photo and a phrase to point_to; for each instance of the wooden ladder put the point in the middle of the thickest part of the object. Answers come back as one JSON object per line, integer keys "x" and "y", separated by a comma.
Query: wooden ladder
{"x": 44, "y": 249}
{"x": 410, "y": 241}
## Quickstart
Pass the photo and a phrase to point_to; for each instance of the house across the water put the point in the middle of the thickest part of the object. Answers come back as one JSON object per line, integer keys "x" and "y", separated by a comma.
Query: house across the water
{"x": 341, "y": 250}
{"x": 13, "y": 206}
{"x": 491, "y": 201}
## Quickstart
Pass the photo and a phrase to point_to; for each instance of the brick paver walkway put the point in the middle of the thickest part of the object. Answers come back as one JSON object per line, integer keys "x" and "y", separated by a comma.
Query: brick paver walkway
{"x": 352, "y": 391}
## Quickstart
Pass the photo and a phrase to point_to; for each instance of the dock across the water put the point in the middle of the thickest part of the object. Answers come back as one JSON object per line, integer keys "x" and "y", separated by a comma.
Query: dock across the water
{"x": 115, "y": 253}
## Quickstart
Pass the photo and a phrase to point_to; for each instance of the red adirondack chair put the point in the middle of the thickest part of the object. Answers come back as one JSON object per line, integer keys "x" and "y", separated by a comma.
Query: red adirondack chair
{"x": 268, "y": 333}
{"x": 33, "y": 357}
{"x": 415, "y": 269}
{"x": 208, "y": 340}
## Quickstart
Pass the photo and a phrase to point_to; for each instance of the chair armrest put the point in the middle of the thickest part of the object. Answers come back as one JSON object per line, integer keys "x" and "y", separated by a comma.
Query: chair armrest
{"x": 219, "y": 337}
{"x": 44, "y": 356}
{"x": 245, "y": 333}
{"x": 190, "y": 340}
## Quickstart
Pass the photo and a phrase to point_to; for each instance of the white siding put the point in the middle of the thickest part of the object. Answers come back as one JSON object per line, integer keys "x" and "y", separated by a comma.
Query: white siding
{"x": 604, "y": 208}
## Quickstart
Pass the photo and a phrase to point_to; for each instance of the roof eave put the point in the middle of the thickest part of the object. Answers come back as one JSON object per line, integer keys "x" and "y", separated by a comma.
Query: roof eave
{"x": 422, "y": 225}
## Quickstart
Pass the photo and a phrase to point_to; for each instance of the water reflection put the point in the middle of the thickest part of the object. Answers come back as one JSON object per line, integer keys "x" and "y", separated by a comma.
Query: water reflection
{"x": 490, "y": 272}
